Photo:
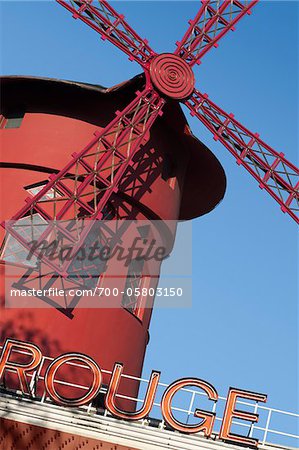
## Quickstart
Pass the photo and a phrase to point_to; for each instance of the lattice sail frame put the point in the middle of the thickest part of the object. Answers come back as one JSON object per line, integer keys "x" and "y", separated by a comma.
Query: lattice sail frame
{"x": 96, "y": 173}
{"x": 112, "y": 26}
{"x": 214, "y": 19}
{"x": 271, "y": 169}
{"x": 92, "y": 176}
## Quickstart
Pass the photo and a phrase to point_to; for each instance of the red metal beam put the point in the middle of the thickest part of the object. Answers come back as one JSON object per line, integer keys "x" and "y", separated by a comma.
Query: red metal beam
{"x": 98, "y": 169}
{"x": 213, "y": 21}
{"x": 274, "y": 173}
{"x": 111, "y": 26}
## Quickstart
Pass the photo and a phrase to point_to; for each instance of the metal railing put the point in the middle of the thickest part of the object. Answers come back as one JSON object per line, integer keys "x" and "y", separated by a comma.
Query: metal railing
{"x": 275, "y": 426}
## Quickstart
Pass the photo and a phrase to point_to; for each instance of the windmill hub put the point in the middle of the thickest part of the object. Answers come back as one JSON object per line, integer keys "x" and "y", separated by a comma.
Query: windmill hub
{"x": 172, "y": 76}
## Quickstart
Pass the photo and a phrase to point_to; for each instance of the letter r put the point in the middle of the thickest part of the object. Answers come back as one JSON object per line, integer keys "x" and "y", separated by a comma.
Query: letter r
{"x": 20, "y": 368}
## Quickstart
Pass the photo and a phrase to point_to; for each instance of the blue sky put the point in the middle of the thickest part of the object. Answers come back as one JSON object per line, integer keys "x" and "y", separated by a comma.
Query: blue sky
{"x": 245, "y": 260}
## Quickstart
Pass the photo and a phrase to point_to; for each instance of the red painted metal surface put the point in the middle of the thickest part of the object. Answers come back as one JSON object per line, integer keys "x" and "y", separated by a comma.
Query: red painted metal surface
{"x": 172, "y": 76}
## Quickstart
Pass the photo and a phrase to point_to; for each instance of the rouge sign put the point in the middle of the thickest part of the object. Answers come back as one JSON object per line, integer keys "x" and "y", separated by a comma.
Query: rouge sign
{"x": 206, "y": 419}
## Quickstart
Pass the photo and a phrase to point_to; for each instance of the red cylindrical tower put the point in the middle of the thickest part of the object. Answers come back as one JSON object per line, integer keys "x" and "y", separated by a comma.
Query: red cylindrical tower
{"x": 174, "y": 177}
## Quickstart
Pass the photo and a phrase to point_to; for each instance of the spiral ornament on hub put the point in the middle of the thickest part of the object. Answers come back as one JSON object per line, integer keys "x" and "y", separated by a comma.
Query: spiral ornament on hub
{"x": 172, "y": 76}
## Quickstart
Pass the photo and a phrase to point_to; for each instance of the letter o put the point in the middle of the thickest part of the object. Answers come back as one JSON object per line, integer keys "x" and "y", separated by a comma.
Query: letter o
{"x": 50, "y": 380}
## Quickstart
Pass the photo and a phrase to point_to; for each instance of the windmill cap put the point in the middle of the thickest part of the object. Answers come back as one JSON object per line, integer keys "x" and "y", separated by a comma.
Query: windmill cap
{"x": 205, "y": 180}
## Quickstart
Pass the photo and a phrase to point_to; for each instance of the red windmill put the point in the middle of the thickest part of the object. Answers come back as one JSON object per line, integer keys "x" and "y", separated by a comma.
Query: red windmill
{"x": 87, "y": 187}
{"x": 97, "y": 179}
{"x": 167, "y": 77}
